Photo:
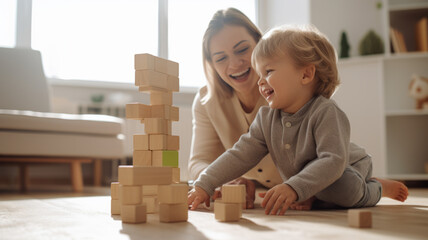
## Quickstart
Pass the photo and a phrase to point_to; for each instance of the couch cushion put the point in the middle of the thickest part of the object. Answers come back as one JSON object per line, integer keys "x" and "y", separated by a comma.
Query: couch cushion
{"x": 60, "y": 122}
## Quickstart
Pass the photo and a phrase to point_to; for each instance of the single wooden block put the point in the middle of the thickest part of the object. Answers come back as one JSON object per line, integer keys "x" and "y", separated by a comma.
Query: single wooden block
{"x": 152, "y": 203}
{"x": 165, "y": 111}
{"x": 130, "y": 195}
{"x": 164, "y": 142}
{"x": 151, "y": 78}
{"x": 114, "y": 187}
{"x": 227, "y": 212}
{"x": 134, "y": 213}
{"x": 157, "y": 126}
{"x": 135, "y": 175}
{"x": 160, "y": 98}
{"x": 142, "y": 158}
{"x": 150, "y": 190}
{"x": 176, "y": 175}
{"x": 137, "y": 111}
{"x": 115, "y": 207}
{"x": 173, "y": 212}
{"x": 233, "y": 193}
{"x": 144, "y": 61}
{"x": 359, "y": 218}
{"x": 161, "y": 65}
{"x": 165, "y": 158}
{"x": 174, "y": 193}
{"x": 172, "y": 68}
{"x": 152, "y": 89}
{"x": 141, "y": 142}
{"x": 173, "y": 83}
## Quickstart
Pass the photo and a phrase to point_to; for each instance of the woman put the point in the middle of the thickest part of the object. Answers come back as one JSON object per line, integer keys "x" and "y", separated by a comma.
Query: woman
{"x": 226, "y": 107}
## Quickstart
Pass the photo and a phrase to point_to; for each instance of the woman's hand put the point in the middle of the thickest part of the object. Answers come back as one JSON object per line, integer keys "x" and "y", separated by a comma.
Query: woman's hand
{"x": 197, "y": 196}
{"x": 281, "y": 194}
{"x": 250, "y": 188}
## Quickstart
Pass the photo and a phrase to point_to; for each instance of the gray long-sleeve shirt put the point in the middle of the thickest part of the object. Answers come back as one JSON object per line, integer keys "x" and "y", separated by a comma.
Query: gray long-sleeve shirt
{"x": 310, "y": 148}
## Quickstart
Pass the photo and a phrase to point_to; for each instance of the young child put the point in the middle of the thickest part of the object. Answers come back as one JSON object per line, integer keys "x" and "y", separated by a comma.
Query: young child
{"x": 306, "y": 133}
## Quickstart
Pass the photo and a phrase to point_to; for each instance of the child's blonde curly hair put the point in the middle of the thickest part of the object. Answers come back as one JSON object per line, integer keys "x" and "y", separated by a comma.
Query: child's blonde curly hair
{"x": 305, "y": 45}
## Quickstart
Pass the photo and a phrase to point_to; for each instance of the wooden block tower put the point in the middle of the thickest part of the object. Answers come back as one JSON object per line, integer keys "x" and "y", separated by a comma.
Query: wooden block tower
{"x": 229, "y": 207}
{"x": 155, "y": 153}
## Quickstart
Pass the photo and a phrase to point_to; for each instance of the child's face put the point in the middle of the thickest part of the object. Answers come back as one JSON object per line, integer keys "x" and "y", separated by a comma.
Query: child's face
{"x": 282, "y": 84}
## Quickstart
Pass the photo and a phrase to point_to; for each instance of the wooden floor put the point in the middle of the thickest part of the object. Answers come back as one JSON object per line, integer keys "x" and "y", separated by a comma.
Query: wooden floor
{"x": 44, "y": 215}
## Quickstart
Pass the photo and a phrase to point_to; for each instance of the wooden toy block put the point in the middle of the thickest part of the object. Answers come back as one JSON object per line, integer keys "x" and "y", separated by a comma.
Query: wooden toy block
{"x": 164, "y": 142}
{"x": 160, "y": 98}
{"x": 115, "y": 207}
{"x": 130, "y": 195}
{"x": 176, "y": 175}
{"x": 144, "y": 61}
{"x": 165, "y": 158}
{"x": 227, "y": 212}
{"x": 157, "y": 126}
{"x": 149, "y": 190}
{"x": 151, "y": 78}
{"x": 152, "y": 89}
{"x": 172, "y": 194}
{"x": 173, "y": 212}
{"x": 165, "y": 111}
{"x": 134, "y": 213}
{"x": 114, "y": 187}
{"x": 152, "y": 203}
{"x": 142, "y": 158}
{"x": 137, "y": 111}
{"x": 161, "y": 65}
{"x": 359, "y": 218}
{"x": 172, "y": 68}
{"x": 233, "y": 194}
{"x": 135, "y": 175}
{"x": 141, "y": 142}
{"x": 173, "y": 83}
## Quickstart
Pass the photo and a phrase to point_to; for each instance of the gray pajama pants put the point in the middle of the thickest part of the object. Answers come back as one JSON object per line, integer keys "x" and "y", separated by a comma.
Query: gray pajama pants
{"x": 354, "y": 189}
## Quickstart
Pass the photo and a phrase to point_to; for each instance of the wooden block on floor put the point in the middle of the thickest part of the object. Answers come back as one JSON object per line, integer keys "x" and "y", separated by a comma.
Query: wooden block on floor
{"x": 176, "y": 175}
{"x": 152, "y": 203}
{"x": 165, "y": 111}
{"x": 141, "y": 142}
{"x": 134, "y": 213}
{"x": 150, "y": 190}
{"x": 227, "y": 212}
{"x": 137, "y": 111}
{"x": 142, "y": 158}
{"x": 114, "y": 189}
{"x": 359, "y": 218}
{"x": 135, "y": 175}
{"x": 165, "y": 158}
{"x": 130, "y": 195}
{"x": 233, "y": 193}
{"x": 164, "y": 142}
{"x": 151, "y": 78}
{"x": 173, "y": 212}
{"x": 160, "y": 98}
{"x": 157, "y": 126}
{"x": 144, "y": 61}
{"x": 172, "y": 68}
{"x": 115, "y": 207}
{"x": 173, "y": 83}
{"x": 172, "y": 194}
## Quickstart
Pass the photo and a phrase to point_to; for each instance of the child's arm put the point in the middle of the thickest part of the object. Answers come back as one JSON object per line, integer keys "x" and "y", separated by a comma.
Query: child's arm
{"x": 197, "y": 196}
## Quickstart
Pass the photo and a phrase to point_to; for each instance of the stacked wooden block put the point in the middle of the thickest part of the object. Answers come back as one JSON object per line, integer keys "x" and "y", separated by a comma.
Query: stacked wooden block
{"x": 229, "y": 207}
{"x": 155, "y": 153}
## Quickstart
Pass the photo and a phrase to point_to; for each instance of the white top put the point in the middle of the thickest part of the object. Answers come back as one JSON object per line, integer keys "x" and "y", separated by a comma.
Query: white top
{"x": 217, "y": 126}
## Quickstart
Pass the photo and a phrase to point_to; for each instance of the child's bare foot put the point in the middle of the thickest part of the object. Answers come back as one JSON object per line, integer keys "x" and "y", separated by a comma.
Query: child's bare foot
{"x": 393, "y": 189}
{"x": 305, "y": 205}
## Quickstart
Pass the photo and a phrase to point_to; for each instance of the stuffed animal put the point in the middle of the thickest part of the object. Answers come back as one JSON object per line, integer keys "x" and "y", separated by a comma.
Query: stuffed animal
{"x": 419, "y": 90}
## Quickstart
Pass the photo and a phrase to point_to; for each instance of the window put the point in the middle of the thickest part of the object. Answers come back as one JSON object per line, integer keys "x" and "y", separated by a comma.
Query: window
{"x": 94, "y": 39}
{"x": 187, "y": 21}
{"x": 7, "y": 23}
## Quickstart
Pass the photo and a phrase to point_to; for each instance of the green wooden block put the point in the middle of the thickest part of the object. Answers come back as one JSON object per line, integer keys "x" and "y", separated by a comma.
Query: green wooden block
{"x": 165, "y": 159}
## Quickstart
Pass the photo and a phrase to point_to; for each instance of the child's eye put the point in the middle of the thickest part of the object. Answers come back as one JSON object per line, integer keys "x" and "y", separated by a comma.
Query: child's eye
{"x": 268, "y": 72}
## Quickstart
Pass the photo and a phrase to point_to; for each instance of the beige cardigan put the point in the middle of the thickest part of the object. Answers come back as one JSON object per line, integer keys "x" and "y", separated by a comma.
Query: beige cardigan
{"x": 217, "y": 125}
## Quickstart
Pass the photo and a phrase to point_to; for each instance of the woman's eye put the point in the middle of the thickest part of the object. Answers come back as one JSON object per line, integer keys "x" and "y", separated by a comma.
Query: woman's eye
{"x": 243, "y": 50}
{"x": 220, "y": 59}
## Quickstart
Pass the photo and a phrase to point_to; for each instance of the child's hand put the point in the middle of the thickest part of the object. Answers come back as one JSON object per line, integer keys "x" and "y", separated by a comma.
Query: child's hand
{"x": 281, "y": 194}
{"x": 197, "y": 196}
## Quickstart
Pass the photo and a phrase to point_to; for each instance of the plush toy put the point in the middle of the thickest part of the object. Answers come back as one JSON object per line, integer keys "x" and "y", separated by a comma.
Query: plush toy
{"x": 419, "y": 90}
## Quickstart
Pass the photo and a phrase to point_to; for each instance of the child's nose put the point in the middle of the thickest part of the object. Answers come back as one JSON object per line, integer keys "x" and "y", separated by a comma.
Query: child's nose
{"x": 261, "y": 81}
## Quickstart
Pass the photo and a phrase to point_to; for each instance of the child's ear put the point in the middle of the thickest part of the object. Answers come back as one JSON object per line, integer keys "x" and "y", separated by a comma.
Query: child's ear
{"x": 308, "y": 74}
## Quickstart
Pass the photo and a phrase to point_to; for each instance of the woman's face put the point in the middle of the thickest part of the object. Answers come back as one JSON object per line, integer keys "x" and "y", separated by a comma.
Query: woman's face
{"x": 231, "y": 50}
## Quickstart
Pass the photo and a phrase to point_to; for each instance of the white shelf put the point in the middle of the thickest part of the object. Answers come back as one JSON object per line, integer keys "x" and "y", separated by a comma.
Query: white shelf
{"x": 415, "y": 177}
{"x": 406, "y": 112}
